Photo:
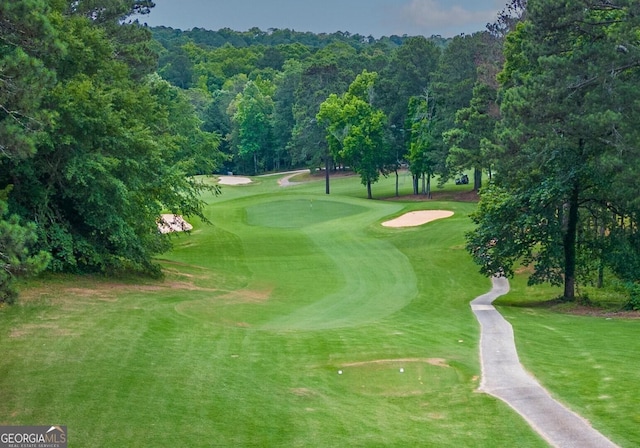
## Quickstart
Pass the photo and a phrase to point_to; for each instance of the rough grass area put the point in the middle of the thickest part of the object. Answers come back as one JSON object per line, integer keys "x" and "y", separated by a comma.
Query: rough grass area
{"x": 243, "y": 341}
{"x": 587, "y": 355}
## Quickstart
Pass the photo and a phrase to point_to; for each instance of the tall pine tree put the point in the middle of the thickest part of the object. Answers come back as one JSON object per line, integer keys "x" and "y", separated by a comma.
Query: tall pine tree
{"x": 563, "y": 192}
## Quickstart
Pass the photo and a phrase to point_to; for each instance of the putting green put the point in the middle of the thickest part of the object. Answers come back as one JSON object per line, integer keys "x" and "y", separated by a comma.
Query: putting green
{"x": 299, "y": 212}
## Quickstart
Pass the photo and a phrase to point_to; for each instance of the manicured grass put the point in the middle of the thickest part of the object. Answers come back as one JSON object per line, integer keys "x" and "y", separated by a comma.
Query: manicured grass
{"x": 591, "y": 363}
{"x": 241, "y": 344}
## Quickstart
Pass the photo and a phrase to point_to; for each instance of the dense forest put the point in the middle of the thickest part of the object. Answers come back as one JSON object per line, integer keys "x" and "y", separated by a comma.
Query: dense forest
{"x": 104, "y": 122}
{"x": 261, "y": 91}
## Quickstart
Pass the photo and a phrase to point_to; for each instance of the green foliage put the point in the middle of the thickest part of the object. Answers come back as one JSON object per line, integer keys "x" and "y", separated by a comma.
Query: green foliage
{"x": 304, "y": 70}
{"x": 407, "y": 73}
{"x": 285, "y": 40}
{"x": 27, "y": 36}
{"x": 109, "y": 147}
{"x": 252, "y": 119}
{"x": 17, "y": 257}
{"x": 423, "y": 158}
{"x": 356, "y": 130}
{"x": 569, "y": 144}
{"x": 468, "y": 148}
{"x": 514, "y": 228}
{"x": 452, "y": 86}
{"x": 634, "y": 297}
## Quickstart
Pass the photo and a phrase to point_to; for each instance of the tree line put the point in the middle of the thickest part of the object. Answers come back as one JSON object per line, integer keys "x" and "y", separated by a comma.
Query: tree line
{"x": 262, "y": 93}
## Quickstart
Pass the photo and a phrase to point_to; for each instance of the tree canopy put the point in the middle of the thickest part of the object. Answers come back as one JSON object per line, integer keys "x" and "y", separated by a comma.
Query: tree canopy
{"x": 93, "y": 146}
{"x": 356, "y": 129}
{"x": 564, "y": 200}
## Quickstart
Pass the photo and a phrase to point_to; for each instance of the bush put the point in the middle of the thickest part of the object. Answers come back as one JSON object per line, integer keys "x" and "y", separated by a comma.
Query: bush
{"x": 634, "y": 297}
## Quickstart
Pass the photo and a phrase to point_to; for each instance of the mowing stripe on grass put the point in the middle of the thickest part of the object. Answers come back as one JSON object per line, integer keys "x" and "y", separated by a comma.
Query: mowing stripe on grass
{"x": 374, "y": 278}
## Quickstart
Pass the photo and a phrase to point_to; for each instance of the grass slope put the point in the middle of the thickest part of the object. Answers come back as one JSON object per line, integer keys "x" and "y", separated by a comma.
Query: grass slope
{"x": 590, "y": 363}
{"x": 241, "y": 344}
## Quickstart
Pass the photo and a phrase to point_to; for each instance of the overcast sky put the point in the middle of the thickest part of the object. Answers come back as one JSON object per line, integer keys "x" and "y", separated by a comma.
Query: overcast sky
{"x": 367, "y": 17}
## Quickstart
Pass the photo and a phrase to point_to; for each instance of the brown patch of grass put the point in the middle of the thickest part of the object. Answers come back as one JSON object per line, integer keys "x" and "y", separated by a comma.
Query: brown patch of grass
{"x": 582, "y": 307}
{"x": 101, "y": 290}
{"x": 30, "y": 329}
{"x": 455, "y": 196}
{"x": 248, "y": 295}
{"x": 593, "y": 311}
{"x": 302, "y": 392}
{"x": 438, "y": 362}
{"x": 436, "y": 416}
{"x": 525, "y": 270}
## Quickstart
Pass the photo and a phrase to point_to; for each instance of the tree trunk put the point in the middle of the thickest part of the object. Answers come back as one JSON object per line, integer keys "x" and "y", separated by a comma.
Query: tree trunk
{"x": 414, "y": 179}
{"x": 429, "y": 186}
{"x": 326, "y": 174}
{"x": 570, "y": 239}
{"x": 477, "y": 179}
{"x": 600, "y": 284}
{"x": 369, "y": 196}
{"x": 397, "y": 185}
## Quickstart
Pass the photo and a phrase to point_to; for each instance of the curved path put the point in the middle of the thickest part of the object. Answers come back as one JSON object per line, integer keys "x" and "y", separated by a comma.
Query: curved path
{"x": 286, "y": 181}
{"x": 504, "y": 377}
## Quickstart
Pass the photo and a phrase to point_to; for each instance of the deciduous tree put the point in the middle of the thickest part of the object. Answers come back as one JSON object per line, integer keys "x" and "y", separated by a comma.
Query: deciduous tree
{"x": 357, "y": 130}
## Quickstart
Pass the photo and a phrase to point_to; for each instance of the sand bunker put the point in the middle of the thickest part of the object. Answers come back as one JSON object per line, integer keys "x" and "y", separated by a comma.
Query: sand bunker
{"x": 417, "y": 218}
{"x": 173, "y": 223}
{"x": 233, "y": 180}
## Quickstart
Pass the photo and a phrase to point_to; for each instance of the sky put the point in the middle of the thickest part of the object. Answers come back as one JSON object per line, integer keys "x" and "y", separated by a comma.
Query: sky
{"x": 366, "y": 17}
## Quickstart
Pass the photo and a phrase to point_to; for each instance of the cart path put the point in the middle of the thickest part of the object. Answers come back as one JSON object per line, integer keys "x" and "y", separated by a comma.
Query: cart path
{"x": 286, "y": 181}
{"x": 504, "y": 377}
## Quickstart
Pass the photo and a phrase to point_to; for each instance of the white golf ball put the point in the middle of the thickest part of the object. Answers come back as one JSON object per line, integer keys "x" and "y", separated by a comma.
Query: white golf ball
{"x": 339, "y": 372}
{"x": 401, "y": 370}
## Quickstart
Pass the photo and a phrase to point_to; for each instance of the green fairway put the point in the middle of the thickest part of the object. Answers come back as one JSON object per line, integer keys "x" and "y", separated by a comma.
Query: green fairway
{"x": 243, "y": 341}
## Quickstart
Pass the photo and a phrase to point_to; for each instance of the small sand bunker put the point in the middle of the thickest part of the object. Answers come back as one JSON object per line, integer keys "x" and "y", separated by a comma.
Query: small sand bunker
{"x": 233, "y": 180}
{"x": 417, "y": 218}
{"x": 173, "y": 223}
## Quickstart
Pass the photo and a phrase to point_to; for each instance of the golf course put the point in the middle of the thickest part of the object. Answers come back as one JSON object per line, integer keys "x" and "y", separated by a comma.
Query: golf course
{"x": 297, "y": 319}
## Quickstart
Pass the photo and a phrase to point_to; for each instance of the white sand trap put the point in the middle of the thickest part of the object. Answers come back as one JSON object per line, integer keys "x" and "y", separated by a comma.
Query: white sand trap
{"x": 173, "y": 223}
{"x": 233, "y": 180}
{"x": 417, "y": 218}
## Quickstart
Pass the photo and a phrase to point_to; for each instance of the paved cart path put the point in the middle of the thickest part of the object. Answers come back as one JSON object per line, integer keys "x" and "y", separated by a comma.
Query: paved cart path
{"x": 504, "y": 377}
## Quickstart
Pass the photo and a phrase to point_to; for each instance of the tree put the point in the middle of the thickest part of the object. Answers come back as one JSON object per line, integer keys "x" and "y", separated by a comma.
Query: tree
{"x": 452, "y": 90}
{"x": 470, "y": 142}
{"x": 196, "y": 150}
{"x": 356, "y": 131}
{"x": 113, "y": 154}
{"x": 252, "y": 111}
{"x": 407, "y": 74}
{"x": 17, "y": 256}
{"x": 27, "y": 39}
{"x": 569, "y": 145}
{"x": 328, "y": 71}
{"x": 422, "y": 157}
